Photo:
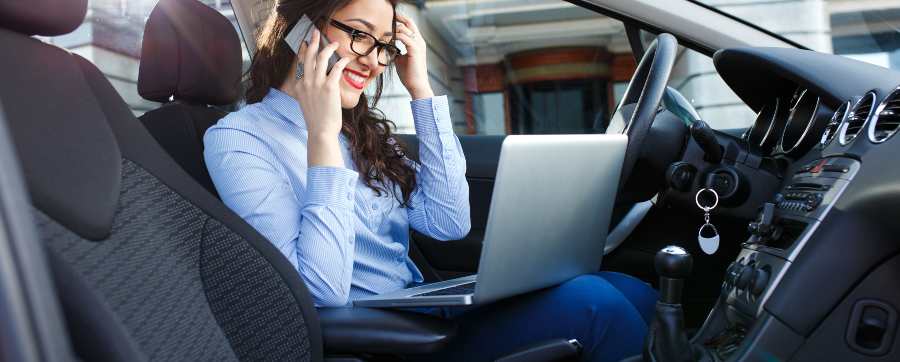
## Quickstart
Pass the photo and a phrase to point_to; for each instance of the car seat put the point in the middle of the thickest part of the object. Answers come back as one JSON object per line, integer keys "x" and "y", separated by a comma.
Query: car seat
{"x": 147, "y": 264}
{"x": 190, "y": 62}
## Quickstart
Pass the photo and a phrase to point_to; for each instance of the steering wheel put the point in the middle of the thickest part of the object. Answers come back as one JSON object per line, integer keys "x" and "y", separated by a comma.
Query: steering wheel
{"x": 641, "y": 101}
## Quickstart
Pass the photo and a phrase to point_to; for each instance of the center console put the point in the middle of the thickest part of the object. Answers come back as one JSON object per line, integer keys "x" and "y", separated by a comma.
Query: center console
{"x": 784, "y": 226}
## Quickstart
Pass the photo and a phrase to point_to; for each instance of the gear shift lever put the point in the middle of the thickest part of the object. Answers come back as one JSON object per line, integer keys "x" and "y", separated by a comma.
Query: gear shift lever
{"x": 667, "y": 340}
{"x": 673, "y": 264}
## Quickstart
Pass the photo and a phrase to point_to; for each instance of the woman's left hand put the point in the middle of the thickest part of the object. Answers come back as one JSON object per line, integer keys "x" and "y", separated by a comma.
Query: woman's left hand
{"x": 411, "y": 67}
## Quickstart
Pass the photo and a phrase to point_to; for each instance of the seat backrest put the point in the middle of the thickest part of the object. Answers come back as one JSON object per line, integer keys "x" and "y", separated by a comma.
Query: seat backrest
{"x": 147, "y": 264}
{"x": 191, "y": 62}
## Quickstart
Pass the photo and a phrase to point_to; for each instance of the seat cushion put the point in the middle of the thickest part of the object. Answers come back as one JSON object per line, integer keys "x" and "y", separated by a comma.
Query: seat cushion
{"x": 183, "y": 285}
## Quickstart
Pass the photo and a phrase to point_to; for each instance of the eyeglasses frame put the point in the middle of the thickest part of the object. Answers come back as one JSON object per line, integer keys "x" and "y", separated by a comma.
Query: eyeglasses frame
{"x": 378, "y": 44}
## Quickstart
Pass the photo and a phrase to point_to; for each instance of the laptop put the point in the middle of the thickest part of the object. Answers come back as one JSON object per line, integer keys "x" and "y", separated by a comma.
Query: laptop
{"x": 549, "y": 216}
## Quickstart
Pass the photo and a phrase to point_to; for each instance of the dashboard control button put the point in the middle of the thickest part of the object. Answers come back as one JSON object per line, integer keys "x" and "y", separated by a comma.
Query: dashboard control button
{"x": 760, "y": 280}
{"x": 818, "y": 167}
{"x": 836, "y": 168}
{"x": 753, "y": 228}
{"x": 744, "y": 278}
{"x": 731, "y": 273}
{"x": 680, "y": 175}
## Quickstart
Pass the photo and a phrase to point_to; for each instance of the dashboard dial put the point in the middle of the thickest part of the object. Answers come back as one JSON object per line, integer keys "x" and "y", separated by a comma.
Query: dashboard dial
{"x": 805, "y": 123}
{"x": 760, "y": 135}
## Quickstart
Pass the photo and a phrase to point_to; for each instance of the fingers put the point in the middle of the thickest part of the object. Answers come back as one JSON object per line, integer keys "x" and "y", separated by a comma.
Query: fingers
{"x": 403, "y": 29}
{"x": 405, "y": 20}
{"x": 301, "y": 52}
{"x": 406, "y": 39}
{"x": 309, "y": 56}
{"x": 322, "y": 61}
{"x": 299, "y": 58}
{"x": 335, "y": 76}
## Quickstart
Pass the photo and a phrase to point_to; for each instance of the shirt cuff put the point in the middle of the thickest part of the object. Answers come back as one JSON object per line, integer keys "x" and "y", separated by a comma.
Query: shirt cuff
{"x": 432, "y": 115}
{"x": 331, "y": 186}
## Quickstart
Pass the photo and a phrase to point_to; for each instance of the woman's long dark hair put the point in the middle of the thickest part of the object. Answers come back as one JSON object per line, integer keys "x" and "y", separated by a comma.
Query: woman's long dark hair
{"x": 377, "y": 155}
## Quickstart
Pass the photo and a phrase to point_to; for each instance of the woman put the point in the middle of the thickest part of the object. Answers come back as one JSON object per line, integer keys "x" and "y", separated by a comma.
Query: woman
{"x": 312, "y": 166}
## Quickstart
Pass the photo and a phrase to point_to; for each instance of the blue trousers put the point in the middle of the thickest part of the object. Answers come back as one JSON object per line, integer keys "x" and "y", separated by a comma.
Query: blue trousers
{"x": 607, "y": 312}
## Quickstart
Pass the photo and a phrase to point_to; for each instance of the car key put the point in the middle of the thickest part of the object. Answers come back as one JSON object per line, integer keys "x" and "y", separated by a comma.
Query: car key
{"x": 710, "y": 244}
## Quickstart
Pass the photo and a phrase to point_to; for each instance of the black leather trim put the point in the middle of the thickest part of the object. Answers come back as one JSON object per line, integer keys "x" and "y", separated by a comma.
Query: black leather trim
{"x": 666, "y": 339}
{"x": 757, "y": 74}
{"x": 551, "y": 350}
{"x": 69, "y": 156}
{"x": 380, "y": 331}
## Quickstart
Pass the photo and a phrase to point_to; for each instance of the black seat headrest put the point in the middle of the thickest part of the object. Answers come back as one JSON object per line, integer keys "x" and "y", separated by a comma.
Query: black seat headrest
{"x": 42, "y": 17}
{"x": 191, "y": 53}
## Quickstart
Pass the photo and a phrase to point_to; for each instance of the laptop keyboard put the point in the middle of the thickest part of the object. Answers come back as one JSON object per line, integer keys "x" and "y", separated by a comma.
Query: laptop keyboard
{"x": 461, "y": 289}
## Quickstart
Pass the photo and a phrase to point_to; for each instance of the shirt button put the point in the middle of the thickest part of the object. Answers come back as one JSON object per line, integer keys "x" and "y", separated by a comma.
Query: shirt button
{"x": 374, "y": 207}
{"x": 349, "y": 196}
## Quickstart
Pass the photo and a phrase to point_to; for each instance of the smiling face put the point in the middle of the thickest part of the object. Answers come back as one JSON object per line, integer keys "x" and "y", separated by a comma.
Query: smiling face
{"x": 371, "y": 16}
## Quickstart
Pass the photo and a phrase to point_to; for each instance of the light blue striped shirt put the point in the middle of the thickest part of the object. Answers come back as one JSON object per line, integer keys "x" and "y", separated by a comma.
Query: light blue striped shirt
{"x": 344, "y": 241}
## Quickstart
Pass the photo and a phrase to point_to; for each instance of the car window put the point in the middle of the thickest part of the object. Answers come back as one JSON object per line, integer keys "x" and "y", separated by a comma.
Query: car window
{"x": 547, "y": 66}
{"x": 111, "y": 37}
{"x": 695, "y": 76}
{"x": 867, "y": 30}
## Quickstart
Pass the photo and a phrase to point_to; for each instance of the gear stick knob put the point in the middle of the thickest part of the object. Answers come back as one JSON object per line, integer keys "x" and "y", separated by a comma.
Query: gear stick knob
{"x": 673, "y": 264}
{"x": 666, "y": 340}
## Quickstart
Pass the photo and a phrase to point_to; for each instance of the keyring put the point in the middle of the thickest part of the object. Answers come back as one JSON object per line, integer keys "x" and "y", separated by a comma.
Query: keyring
{"x": 697, "y": 199}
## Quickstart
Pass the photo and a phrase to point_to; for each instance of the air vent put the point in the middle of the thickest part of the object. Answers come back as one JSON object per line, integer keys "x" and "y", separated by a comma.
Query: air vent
{"x": 834, "y": 124}
{"x": 856, "y": 119}
{"x": 886, "y": 119}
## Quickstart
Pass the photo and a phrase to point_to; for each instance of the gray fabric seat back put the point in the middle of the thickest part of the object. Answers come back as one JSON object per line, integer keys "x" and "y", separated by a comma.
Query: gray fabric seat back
{"x": 148, "y": 265}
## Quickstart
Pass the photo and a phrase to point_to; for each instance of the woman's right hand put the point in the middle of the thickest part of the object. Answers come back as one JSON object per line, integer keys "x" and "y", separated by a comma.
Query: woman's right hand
{"x": 318, "y": 93}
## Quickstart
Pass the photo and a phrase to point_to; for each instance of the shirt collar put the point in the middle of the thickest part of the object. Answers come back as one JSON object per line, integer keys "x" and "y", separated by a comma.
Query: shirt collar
{"x": 289, "y": 109}
{"x": 286, "y": 106}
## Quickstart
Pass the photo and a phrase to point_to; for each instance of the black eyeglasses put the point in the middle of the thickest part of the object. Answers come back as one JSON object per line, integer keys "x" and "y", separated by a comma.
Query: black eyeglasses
{"x": 363, "y": 43}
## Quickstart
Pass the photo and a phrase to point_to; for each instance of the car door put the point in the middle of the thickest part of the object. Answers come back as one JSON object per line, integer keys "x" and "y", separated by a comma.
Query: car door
{"x": 440, "y": 260}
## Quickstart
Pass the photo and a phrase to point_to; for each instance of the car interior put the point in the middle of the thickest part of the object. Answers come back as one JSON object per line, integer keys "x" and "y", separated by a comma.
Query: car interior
{"x": 117, "y": 248}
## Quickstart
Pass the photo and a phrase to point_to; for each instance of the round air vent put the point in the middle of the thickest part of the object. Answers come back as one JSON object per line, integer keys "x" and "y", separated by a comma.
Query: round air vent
{"x": 856, "y": 119}
{"x": 831, "y": 129}
{"x": 886, "y": 119}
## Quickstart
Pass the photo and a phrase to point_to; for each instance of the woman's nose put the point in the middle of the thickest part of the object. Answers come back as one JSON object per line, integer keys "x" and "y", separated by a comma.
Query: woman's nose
{"x": 370, "y": 60}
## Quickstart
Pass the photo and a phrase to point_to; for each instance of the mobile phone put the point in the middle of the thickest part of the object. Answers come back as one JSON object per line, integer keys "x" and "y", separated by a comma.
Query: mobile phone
{"x": 400, "y": 47}
{"x": 303, "y": 30}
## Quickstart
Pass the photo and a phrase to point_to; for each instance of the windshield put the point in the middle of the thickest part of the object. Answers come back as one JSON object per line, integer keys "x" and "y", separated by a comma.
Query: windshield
{"x": 864, "y": 30}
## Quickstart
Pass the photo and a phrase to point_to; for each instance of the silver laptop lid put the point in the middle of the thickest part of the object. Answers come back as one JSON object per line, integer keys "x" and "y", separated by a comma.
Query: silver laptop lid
{"x": 550, "y": 211}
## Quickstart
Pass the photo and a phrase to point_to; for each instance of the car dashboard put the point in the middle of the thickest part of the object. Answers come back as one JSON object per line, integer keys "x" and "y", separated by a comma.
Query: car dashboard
{"x": 816, "y": 279}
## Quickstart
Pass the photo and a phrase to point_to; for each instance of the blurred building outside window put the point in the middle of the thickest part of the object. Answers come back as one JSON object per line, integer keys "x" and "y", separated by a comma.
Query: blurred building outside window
{"x": 528, "y": 66}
